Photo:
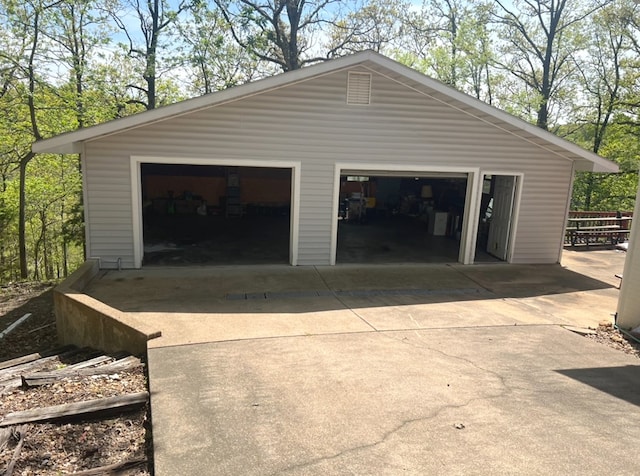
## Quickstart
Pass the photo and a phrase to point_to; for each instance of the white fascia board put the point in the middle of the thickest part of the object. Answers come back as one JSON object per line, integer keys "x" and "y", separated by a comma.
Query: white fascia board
{"x": 407, "y": 169}
{"x": 68, "y": 143}
{"x": 585, "y": 166}
{"x": 57, "y": 147}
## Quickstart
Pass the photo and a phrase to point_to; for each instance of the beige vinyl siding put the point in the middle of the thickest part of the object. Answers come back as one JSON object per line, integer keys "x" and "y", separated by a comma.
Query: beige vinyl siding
{"x": 629, "y": 301}
{"x": 110, "y": 234}
{"x": 629, "y": 305}
{"x": 310, "y": 122}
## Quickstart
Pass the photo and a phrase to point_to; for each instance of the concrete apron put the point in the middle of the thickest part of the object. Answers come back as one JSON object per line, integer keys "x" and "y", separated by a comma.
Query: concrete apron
{"x": 210, "y": 304}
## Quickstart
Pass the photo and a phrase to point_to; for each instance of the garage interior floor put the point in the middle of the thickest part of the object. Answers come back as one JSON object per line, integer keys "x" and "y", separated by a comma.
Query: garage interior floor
{"x": 212, "y": 240}
{"x": 397, "y": 239}
{"x": 216, "y": 240}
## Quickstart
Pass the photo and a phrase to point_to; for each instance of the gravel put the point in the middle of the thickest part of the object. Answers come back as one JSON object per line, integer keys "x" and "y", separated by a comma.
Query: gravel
{"x": 609, "y": 335}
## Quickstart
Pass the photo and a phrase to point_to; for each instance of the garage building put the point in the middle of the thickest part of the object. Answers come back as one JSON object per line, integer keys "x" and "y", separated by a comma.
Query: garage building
{"x": 356, "y": 160}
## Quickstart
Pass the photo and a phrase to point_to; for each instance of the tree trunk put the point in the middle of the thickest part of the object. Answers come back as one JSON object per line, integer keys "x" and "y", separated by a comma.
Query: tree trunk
{"x": 22, "y": 226}
{"x": 46, "y": 252}
{"x": 24, "y": 161}
{"x": 152, "y": 47}
{"x": 588, "y": 193}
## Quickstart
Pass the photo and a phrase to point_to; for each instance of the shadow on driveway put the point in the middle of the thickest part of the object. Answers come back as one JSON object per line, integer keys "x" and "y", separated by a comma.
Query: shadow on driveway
{"x": 288, "y": 289}
{"x": 621, "y": 382}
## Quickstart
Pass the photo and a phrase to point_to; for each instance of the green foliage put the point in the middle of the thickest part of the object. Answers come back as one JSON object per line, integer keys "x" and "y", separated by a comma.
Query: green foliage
{"x": 207, "y": 48}
{"x": 53, "y": 188}
{"x": 378, "y": 25}
{"x": 602, "y": 192}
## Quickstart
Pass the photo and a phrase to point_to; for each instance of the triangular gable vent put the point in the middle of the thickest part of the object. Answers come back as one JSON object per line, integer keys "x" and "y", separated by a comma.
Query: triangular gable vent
{"x": 359, "y": 89}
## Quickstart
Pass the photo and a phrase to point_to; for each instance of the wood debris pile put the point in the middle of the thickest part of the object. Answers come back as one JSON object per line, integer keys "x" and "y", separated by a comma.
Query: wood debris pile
{"x": 73, "y": 411}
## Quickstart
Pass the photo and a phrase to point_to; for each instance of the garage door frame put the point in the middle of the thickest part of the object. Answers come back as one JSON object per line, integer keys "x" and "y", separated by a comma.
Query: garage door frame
{"x": 515, "y": 208}
{"x": 471, "y": 205}
{"x": 136, "y": 194}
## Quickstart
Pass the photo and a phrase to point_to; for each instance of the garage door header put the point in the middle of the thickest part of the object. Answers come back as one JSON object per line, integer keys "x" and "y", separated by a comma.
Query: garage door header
{"x": 403, "y": 173}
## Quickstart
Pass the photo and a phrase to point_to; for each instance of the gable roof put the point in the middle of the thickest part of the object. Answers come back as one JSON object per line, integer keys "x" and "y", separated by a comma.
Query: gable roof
{"x": 71, "y": 142}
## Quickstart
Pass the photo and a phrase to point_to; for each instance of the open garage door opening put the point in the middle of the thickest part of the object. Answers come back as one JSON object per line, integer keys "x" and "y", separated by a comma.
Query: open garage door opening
{"x": 400, "y": 219}
{"x": 218, "y": 215}
{"x": 392, "y": 218}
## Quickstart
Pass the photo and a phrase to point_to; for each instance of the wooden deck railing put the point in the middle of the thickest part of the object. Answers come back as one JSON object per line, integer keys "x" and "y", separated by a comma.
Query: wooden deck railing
{"x": 597, "y": 228}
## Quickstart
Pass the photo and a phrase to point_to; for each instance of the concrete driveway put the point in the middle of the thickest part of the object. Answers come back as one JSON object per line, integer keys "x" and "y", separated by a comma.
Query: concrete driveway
{"x": 502, "y": 400}
{"x": 385, "y": 370}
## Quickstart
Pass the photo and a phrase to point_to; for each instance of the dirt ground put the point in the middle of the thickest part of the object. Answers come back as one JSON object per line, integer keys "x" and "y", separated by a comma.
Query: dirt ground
{"x": 73, "y": 446}
{"x": 39, "y": 331}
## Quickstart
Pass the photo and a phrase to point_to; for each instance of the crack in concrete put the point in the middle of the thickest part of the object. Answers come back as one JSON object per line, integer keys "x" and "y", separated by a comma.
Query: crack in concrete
{"x": 425, "y": 345}
{"x": 342, "y": 302}
{"x": 470, "y": 278}
{"x": 387, "y": 435}
{"x": 523, "y": 305}
{"x": 271, "y": 295}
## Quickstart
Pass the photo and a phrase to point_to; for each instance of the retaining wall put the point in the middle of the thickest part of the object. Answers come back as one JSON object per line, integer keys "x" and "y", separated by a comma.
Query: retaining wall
{"x": 86, "y": 322}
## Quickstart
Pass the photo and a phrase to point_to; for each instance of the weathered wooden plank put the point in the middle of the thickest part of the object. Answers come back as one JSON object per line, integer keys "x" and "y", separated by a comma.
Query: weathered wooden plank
{"x": 13, "y": 326}
{"x": 16, "y": 452}
{"x": 5, "y": 436}
{"x": 25, "y": 359}
{"x": 77, "y": 409}
{"x": 89, "y": 363}
{"x": 115, "y": 468}
{"x": 33, "y": 360}
{"x": 126, "y": 361}
{"x": 7, "y": 386}
{"x": 43, "y": 378}
{"x": 10, "y": 372}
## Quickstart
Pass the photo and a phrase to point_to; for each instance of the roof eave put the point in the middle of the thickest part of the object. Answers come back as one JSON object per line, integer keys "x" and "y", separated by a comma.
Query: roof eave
{"x": 44, "y": 147}
{"x": 603, "y": 165}
{"x": 71, "y": 143}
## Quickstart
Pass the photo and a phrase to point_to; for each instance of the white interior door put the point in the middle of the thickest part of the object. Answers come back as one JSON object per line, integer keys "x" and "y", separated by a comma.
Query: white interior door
{"x": 500, "y": 226}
